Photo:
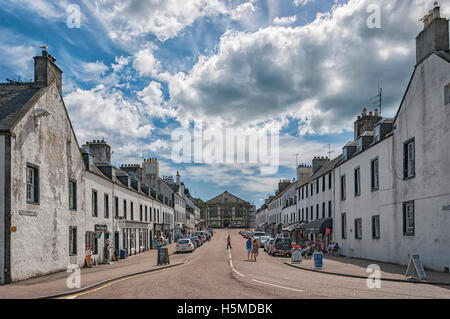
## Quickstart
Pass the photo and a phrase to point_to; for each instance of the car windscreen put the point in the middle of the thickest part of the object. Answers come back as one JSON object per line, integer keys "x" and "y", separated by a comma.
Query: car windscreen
{"x": 183, "y": 242}
{"x": 283, "y": 241}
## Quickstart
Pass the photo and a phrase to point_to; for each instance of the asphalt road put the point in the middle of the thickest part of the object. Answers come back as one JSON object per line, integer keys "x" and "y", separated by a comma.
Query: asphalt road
{"x": 215, "y": 272}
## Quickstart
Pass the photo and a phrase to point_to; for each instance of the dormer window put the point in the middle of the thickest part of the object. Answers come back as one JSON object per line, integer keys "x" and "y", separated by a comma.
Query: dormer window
{"x": 359, "y": 145}
{"x": 376, "y": 134}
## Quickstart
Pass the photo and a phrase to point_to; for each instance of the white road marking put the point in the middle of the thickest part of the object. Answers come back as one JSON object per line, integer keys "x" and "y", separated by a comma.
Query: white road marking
{"x": 268, "y": 283}
{"x": 238, "y": 272}
{"x": 231, "y": 264}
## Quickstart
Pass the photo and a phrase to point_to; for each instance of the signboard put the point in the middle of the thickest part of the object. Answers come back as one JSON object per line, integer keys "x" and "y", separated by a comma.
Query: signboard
{"x": 296, "y": 255}
{"x": 418, "y": 267}
{"x": 318, "y": 260}
{"x": 163, "y": 256}
{"x": 327, "y": 231}
{"x": 101, "y": 228}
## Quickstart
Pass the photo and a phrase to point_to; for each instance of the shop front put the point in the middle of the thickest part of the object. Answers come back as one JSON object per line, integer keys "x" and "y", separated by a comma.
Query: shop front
{"x": 320, "y": 230}
{"x": 135, "y": 237}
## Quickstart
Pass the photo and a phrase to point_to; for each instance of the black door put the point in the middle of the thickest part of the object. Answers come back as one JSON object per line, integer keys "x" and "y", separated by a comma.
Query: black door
{"x": 116, "y": 240}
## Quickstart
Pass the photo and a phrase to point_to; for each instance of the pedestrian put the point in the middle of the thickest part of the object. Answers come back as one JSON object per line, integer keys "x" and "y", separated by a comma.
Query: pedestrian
{"x": 249, "y": 248}
{"x": 228, "y": 242}
{"x": 255, "y": 249}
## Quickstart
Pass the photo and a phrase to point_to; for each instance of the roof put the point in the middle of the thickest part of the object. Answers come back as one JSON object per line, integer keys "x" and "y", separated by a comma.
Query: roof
{"x": 14, "y": 98}
{"x": 281, "y": 193}
{"x": 227, "y": 193}
{"x": 326, "y": 167}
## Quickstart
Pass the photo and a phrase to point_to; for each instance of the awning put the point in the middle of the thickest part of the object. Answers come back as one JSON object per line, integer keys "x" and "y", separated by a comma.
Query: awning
{"x": 318, "y": 226}
{"x": 290, "y": 227}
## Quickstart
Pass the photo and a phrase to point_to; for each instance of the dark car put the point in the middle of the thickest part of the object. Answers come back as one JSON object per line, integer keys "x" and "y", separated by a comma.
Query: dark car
{"x": 281, "y": 246}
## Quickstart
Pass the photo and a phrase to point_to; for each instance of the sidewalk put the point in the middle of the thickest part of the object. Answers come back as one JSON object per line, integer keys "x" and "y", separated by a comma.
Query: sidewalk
{"x": 353, "y": 267}
{"x": 56, "y": 283}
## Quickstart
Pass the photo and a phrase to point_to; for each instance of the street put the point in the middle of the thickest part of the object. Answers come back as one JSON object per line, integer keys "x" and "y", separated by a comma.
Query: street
{"x": 211, "y": 273}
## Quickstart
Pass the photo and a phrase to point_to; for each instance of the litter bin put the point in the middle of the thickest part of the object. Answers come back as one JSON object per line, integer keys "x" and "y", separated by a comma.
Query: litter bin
{"x": 123, "y": 254}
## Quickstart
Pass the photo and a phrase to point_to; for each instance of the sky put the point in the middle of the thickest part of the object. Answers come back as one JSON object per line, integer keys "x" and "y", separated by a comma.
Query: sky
{"x": 137, "y": 71}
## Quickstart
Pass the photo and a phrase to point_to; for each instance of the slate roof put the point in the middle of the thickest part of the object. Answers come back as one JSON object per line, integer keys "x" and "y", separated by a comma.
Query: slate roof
{"x": 326, "y": 167}
{"x": 14, "y": 99}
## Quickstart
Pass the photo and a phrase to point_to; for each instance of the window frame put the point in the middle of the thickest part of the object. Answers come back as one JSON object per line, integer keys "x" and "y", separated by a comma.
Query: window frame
{"x": 344, "y": 225}
{"x": 357, "y": 180}
{"x": 343, "y": 187}
{"x": 94, "y": 204}
{"x": 73, "y": 194}
{"x": 376, "y": 235}
{"x": 35, "y": 184}
{"x": 106, "y": 205}
{"x": 406, "y": 160}
{"x": 374, "y": 187}
{"x": 358, "y": 232}
{"x": 406, "y": 231}
{"x": 73, "y": 247}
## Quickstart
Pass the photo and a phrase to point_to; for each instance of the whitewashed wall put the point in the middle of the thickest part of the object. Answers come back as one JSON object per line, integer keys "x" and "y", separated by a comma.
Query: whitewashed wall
{"x": 2, "y": 208}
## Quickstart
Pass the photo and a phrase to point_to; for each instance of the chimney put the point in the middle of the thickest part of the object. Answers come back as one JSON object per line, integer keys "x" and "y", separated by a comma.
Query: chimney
{"x": 434, "y": 36}
{"x": 46, "y": 71}
{"x": 178, "y": 178}
{"x": 317, "y": 163}
{"x": 366, "y": 122}
{"x": 100, "y": 149}
{"x": 304, "y": 172}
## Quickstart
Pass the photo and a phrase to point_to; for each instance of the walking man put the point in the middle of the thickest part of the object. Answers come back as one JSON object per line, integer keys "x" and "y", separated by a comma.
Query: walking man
{"x": 249, "y": 248}
{"x": 228, "y": 241}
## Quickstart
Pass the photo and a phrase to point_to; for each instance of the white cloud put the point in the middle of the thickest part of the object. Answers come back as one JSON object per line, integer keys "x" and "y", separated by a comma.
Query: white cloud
{"x": 146, "y": 63}
{"x": 116, "y": 119}
{"x": 163, "y": 18}
{"x": 284, "y": 20}
{"x": 302, "y": 2}
{"x": 322, "y": 73}
{"x": 154, "y": 102}
{"x": 243, "y": 10}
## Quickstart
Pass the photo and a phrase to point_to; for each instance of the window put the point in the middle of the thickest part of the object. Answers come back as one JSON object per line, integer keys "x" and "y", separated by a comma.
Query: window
{"x": 306, "y": 188}
{"x": 94, "y": 203}
{"x": 92, "y": 242}
{"x": 408, "y": 218}
{"x": 125, "y": 208}
{"x": 409, "y": 159}
{"x": 344, "y": 226}
{"x": 447, "y": 94}
{"x": 106, "y": 204}
{"x": 329, "y": 181}
{"x": 140, "y": 213}
{"x": 358, "y": 228}
{"x": 72, "y": 241}
{"x": 312, "y": 212}
{"x": 303, "y": 193}
{"x": 323, "y": 210}
{"x": 329, "y": 208}
{"x": 312, "y": 188}
{"x": 374, "y": 173}
{"x": 146, "y": 213}
{"x": 323, "y": 183}
{"x": 303, "y": 214}
{"x": 317, "y": 186}
{"x": 307, "y": 214}
{"x": 317, "y": 211}
{"x": 376, "y": 227}
{"x": 131, "y": 211}
{"x": 32, "y": 184}
{"x": 343, "y": 187}
{"x": 72, "y": 194}
{"x": 357, "y": 181}
{"x": 116, "y": 208}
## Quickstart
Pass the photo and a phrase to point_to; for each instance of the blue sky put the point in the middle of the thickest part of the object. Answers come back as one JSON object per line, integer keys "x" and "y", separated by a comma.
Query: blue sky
{"x": 137, "y": 70}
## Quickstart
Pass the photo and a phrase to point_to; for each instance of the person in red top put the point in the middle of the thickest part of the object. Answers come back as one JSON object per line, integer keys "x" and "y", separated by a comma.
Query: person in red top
{"x": 228, "y": 242}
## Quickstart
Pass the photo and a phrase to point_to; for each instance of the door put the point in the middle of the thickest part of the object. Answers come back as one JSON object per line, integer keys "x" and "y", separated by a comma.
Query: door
{"x": 116, "y": 240}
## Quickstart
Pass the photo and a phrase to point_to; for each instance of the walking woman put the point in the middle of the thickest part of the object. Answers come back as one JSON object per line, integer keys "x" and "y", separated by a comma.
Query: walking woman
{"x": 255, "y": 249}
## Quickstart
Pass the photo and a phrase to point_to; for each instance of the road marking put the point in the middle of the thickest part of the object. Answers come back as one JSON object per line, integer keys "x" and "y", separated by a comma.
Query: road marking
{"x": 238, "y": 272}
{"x": 283, "y": 287}
{"x": 231, "y": 264}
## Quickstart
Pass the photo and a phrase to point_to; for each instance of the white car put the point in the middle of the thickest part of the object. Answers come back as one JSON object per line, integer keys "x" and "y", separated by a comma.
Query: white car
{"x": 185, "y": 245}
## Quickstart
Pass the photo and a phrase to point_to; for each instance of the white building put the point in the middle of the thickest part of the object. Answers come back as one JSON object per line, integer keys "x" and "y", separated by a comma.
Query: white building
{"x": 392, "y": 197}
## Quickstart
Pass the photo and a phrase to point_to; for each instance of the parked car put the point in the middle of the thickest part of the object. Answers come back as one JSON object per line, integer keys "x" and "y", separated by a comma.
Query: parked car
{"x": 202, "y": 235}
{"x": 262, "y": 240}
{"x": 259, "y": 233}
{"x": 197, "y": 240}
{"x": 210, "y": 230}
{"x": 281, "y": 246}
{"x": 184, "y": 245}
{"x": 268, "y": 244}
{"x": 200, "y": 239}
{"x": 193, "y": 240}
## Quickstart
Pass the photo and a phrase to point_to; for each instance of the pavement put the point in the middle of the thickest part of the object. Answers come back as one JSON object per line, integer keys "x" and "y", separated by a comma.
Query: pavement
{"x": 354, "y": 267}
{"x": 54, "y": 284}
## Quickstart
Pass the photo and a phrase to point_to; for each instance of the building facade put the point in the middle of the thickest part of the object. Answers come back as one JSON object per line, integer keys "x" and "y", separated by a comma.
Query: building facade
{"x": 227, "y": 210}
{"x": 393, "y": 197}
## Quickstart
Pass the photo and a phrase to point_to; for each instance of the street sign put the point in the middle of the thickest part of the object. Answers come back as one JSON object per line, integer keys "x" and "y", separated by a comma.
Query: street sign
{"x": 296, "y": 256}
{"x": 163, "y": 256}
{"x": 418, "y": 266}
{"x": 318, "y": 260}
